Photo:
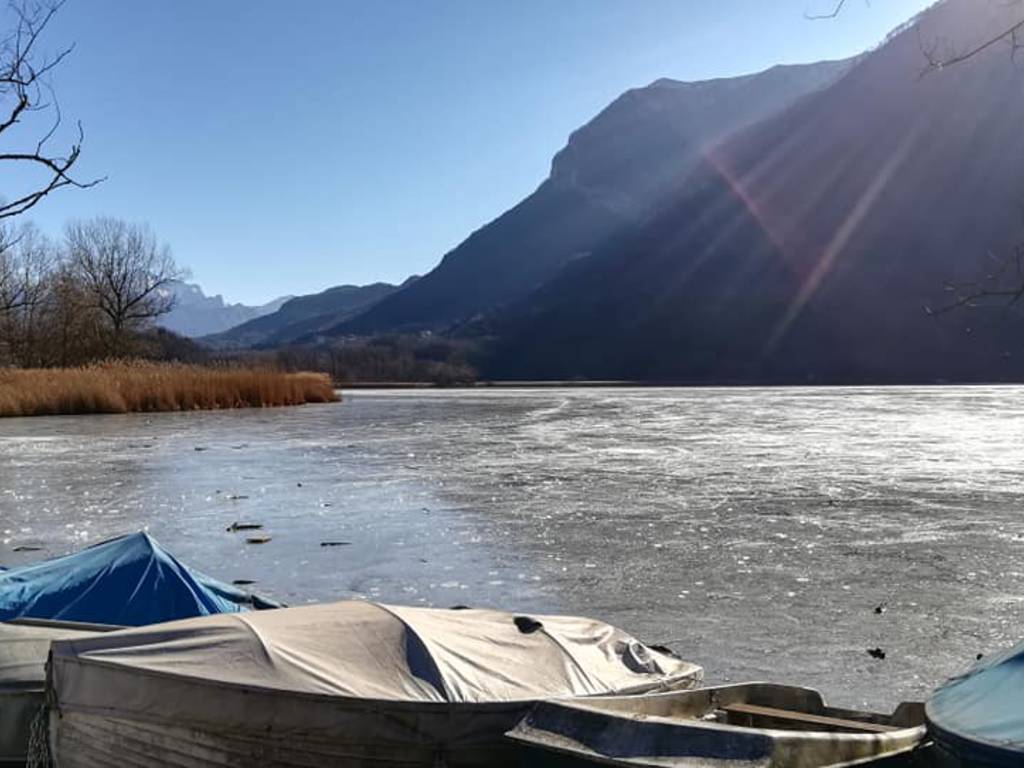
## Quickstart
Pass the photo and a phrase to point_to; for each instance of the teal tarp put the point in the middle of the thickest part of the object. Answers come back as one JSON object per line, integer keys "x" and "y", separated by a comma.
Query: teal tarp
{"x": 980, "y": 715}
{"x": 129, "y": 581}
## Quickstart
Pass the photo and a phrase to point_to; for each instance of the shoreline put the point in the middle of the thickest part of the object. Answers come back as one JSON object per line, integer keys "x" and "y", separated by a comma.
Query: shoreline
{"x": 641, "y": 384}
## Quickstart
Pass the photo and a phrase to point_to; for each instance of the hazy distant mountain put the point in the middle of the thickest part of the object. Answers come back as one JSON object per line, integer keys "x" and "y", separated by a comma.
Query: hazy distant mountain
{"x": 196, "y": 314}
{"x": 612, "y": 170}
{"x": 804, "y": 248}
{"x": 303, "y": 317}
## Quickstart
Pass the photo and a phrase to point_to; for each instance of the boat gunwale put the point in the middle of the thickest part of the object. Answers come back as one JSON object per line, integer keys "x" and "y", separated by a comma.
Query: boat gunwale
{"x": 774, "y": 733}
{"x": 584, "y": 702}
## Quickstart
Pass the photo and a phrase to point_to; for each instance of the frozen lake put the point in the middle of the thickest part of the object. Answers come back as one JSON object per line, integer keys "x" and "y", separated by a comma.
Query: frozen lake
{"x": 753, "y": 530}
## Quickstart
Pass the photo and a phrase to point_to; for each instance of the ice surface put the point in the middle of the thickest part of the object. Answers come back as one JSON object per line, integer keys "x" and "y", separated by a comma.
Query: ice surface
{"x": 754, "y": 530}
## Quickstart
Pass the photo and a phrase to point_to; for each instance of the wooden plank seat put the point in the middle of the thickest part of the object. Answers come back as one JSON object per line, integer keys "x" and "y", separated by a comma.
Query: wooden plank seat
{"x": 755, "y": 715}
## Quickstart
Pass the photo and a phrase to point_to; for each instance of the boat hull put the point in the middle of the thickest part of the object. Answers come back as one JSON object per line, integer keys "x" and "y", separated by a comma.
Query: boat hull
{"x": 372, "y": 739}
{"x": 952, "y": 751}
{"x": 539, "y": 758}
{"x": 271, "y": 728}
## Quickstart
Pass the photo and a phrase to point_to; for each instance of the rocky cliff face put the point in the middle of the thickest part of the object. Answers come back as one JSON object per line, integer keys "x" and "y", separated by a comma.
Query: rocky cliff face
{"x": 611, "y": 173}
{"x": 646, "y": 142}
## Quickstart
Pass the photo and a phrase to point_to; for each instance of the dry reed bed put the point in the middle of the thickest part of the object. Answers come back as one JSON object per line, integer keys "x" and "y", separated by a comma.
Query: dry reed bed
{"x": 123, "y": 387}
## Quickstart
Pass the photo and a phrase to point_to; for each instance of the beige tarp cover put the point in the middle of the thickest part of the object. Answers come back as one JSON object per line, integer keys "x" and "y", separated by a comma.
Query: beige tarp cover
{"x": 365, "y": 650}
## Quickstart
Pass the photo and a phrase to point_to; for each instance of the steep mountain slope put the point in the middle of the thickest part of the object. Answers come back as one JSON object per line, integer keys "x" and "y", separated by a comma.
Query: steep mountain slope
{"x": 610, "y": 173}
{"x": 805, "y": 247}
{"x": 304, "y": 316}
{"x": 196, "y": 314}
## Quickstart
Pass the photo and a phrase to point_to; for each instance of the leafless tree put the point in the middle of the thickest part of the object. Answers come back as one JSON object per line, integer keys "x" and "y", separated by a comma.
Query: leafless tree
{"x": 8, "y": 270}
{"x": 25, "y": 260}
{"x": 72, "y": 331}
{"x": 26, "y": 263}
{"x": 124, "y": 270}
{"x": 25, "y": 92}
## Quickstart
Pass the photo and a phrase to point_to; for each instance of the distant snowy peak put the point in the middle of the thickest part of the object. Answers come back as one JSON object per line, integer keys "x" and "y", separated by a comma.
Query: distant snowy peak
{"x": 196, "y": 314}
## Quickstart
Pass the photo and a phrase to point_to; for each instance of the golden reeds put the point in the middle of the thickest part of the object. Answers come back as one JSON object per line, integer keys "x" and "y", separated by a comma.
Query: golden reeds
{"x": 123, "y": 387}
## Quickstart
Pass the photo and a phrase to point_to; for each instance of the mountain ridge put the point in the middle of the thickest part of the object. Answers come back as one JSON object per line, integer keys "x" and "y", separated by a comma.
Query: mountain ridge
{"x": 301, "y": 318}
{"x": 634, "y": 149}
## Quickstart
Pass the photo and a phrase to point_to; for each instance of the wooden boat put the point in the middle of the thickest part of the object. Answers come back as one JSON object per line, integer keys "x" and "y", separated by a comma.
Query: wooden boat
{"x": 753, "y": 725}
{"x": 350, "y": 684}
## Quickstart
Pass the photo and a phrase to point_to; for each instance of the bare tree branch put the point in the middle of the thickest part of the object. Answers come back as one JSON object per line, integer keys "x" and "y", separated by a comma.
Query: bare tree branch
{"x": 936, "y": 61}
{"x": 1010, "y": 34}
{"x": 23, "y": 83}
{"x": 836, "y": 10}
{"x": 1003, "y": 286}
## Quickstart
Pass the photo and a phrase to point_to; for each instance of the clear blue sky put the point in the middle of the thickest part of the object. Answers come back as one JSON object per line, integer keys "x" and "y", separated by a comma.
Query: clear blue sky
{"x": 282, "y": 147}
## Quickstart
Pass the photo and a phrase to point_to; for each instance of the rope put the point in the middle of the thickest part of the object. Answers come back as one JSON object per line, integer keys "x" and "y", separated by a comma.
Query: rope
{"x": 38, "y": 741}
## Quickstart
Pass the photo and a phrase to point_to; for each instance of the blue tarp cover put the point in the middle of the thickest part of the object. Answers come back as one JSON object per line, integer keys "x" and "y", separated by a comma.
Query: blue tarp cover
{"x": 130, "y": 581}
{"x": 980, "y": 714}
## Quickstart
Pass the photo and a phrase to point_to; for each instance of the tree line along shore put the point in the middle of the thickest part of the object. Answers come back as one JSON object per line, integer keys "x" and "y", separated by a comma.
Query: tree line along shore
{"x": 77, "y": 333}
{"x": 96, "y": 295}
